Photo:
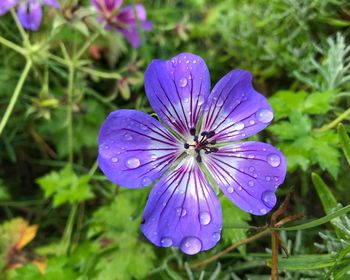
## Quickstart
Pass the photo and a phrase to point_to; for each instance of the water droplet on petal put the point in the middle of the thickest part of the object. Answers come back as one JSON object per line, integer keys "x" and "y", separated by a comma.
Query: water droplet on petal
{"x": 251, "y": 169}
{"x": 251, "y": 183}
{"x": 146, "y": 181}
{"x": 127, "y": 136}
{"x": 183, "y": 82}
{"x": 106, "y": 147}
{"x": 166, "y": 242}
{"x": 274, "y": 160}
{"x": 220, "y": 102}
{"x": 268, "y": 178}
{"x": 204, "y": 218}
{"x": 263, "y": 211}
{"x": 181, "y": 212}
{"x": 269, "y": 198}
{"x": 216, "y": 236}
{"x": 153, "y": 157}
{"x": 251, "y": 122}
{"x": 133, "y": 163}
{"x": 251, "y": 156}
{"x": 172, "y": 119}
{"x": 114, "y": 159}
{"x": 238, "y": 126}
{"x": 264, "y": 115}
{"x": 239, "y": 188}
{"x": 230, "y": 189}
{"x": 186, "y": 100}
{"x": 143, "y": 127}
{"x": 190, "y": 245}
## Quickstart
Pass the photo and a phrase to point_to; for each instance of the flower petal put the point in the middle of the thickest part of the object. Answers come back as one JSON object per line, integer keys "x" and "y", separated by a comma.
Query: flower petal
{"x": 248, "y": 173}
{"x": 30, "y": 14}
{"x": 52, "y": 3}
{"x": 177, "y": 90}
{"x": 183, "y": 211}
{"x": 6, "y": 5}
{"x": 106, "y": 5}
{"x": 134, "y": 148}
{"x": 235, "y": 110}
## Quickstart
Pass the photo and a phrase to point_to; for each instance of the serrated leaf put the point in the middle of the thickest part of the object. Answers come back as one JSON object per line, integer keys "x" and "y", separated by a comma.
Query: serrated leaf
{"x": 328, "y": 200}
{"x": 344, "y": 140}
{"x": 318, "y": 102}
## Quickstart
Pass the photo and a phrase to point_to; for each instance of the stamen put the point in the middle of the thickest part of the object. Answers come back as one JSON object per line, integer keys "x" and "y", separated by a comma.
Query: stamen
{"x": 193, "y": 131}
{"x": 214, "y": 149}
{"x": 198, "y": 158}
{"x": 213, "y": 142}
{"x": 186, "y": 146}
{"x": 211, "y": 134}
{"x": 204, "y": 133}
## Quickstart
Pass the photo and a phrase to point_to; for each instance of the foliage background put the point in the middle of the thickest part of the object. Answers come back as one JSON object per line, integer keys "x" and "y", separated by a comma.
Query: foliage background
{"x": 88, "y": 228}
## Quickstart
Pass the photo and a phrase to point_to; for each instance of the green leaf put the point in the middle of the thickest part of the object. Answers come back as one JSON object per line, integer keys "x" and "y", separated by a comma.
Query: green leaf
{"x": 328, "y": 200}
{"x": 318, "y": 102}
{"x": 319, "y": 221}
{"x": 305, "y": 262}
{"x": 344, "y": 140}
{"x": 65, "y": 186}
{"x": 234, "y": 216}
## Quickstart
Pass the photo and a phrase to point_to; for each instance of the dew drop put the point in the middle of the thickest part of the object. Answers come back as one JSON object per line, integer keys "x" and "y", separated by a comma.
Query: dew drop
{"x": 269, "y": 199}
{"x": 133, "y": 163}
{"x": 190, "y": 245}
{"x": 216, "y": 236}
{"x": 106, "y": 147}
{"x": 166, "y": 242}
{"x": 153, "y": 157}
{"x": 200, "y": 100}
{"x": 183, "y": 82}
{"x": 251, "y": 169}
{"x": 274, "y": 160}
{"x": 238, "y": 126}
{"x": 264, "y": 115}
{"x": 220, "y": 102}
{"x": 143, "y": 127}
{"x": 146, "y": 181}
{"x": 251, "y": 183}
{"x": 181, "y": 212}
{"x": 268, "y": 178}
{"x": 239, "y": 188}
{"x": 127, "y": 136}
{"x": 172, "y": 119}
{"x": 275, "y": 178}
{"x": 263, "y": 211}
{"x": 230, "y": 189}
{"x": 186, "y": 100}
{"x": 114, "y": 159}
{"x": 251, "y": 156}
{"x": 204, "y": 218}
{"x": 251, "y": 122}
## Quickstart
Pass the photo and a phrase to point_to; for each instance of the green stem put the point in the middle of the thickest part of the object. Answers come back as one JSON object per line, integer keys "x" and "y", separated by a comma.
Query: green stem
{"x": 24, "y": 35}
{"x": 15, "y": 95}
{"x": 67, "y": 235}
{"x": 88, "y": 43}
{"x": 12, "y": 46}
{"x": 100, "y": 74}
{"x": 335, "y": 122}
{"x": 69, "y": 111}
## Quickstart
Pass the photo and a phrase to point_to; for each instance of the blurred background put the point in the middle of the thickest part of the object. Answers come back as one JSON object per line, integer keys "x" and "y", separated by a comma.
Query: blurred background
{"x": 62, "y": 219}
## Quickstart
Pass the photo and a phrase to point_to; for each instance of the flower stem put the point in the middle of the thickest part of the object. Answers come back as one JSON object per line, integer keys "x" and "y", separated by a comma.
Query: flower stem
{"x": 67, "y": 235}
{"x": 335, "y": 122}
{"x": 12, "y": 46}
{"x": 15, "y": 95}
{"x": 24, "y": 35}
{"x": 88, "y": 43}
{"x": 71, "y": 73}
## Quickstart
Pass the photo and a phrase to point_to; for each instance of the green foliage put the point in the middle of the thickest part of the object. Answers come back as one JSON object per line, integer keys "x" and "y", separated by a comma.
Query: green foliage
{"x": 66, "y": 187}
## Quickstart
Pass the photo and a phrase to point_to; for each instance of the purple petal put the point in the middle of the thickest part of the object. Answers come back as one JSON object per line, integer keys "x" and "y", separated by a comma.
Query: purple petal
{"x": 127, "y": 15}
{"x": 248, "y": 173}
{"x": 235, "y": 110}
{"x": 134, "y": 148}
{"x": 30, "y": 14}
{"x": 52, "y": 3}
{"x": 177, "y": 90}
{"x": 183, "y": 211}
{"x": 6, "y": 5}
{"x": 106, "y": 5}
{"x": 132, "y": 35}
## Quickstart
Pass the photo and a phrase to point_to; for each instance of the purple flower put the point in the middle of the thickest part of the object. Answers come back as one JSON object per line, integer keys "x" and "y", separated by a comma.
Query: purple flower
{"x": 29, "y": 11}
{"x": 199, "y": 139}
{"x": 123, "y": 20}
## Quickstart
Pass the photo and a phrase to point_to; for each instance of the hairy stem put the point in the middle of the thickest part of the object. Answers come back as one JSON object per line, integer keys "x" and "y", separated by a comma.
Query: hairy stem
{"x": 335, "y": 122}
{"x": 12, "y": 46}
{"x": 15, "y": 95}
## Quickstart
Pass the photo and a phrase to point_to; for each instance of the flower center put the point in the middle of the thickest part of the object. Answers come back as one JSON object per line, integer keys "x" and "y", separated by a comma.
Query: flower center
{"x": 201, "y": 142}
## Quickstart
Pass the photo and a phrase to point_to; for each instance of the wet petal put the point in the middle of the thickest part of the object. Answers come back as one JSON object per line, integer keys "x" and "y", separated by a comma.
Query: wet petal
{"x": 134, "y": 148}
{"x": 235, "y": 109}
{"x": 177, "y": 90}
{"x": 52, "y": 3}
{"x": 248, "y": 173}
{"x": 6, "y": 5}
{"x": 30, "y": 14}
{"x": 183, "y": 211}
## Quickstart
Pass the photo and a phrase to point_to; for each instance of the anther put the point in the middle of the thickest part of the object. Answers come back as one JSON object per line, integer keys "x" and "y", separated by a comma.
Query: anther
{"x": 204, "y": 133}
{"x": 186, "y": 146}
{"x": 211, "y": 133}
{"x": 193, "y": 131}
{"x": 195, "y": 138}
{"x": 214, "y": 149}
{"x": 213, "y": 142}
{"x": 198, "y": 158}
